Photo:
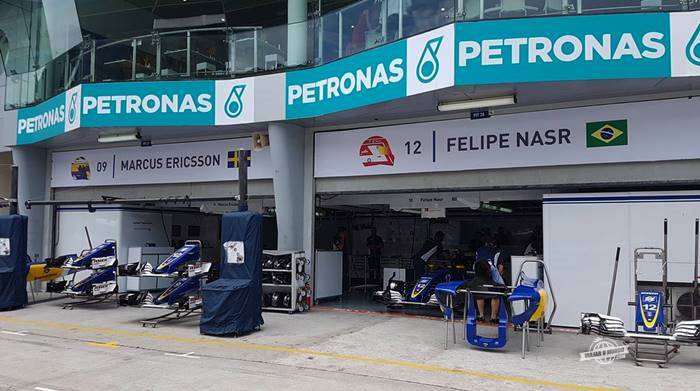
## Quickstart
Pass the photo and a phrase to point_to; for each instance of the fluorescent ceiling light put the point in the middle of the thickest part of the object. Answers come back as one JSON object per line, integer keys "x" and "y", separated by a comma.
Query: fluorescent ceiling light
{"x": 477, "y": 103}
{"x": 118, "y": 138}
{"x": 495, "y": 208}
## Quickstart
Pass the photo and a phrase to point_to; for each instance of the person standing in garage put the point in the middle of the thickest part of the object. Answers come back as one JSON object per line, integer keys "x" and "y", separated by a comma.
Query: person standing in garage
{"x": 375, "y": 244}
{"x": 430, "y": 248}
{"x": 340, "y": 243}
{"x": 491, "y": 253}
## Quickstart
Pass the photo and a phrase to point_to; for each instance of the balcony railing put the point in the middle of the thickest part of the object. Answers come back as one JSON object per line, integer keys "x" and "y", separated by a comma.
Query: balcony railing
{"x": 233, "y": 52}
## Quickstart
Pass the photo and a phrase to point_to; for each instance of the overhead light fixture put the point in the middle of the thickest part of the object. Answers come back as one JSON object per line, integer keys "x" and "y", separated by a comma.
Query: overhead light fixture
{"x": 495, "y": 208}
{"x": 477, "y": 103}
{"x": 119, "y": 138}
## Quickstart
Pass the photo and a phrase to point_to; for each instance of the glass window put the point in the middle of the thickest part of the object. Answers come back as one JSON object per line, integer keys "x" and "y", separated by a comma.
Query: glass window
{"x": 423, "y": 15}
{"x": 209, "y": 54}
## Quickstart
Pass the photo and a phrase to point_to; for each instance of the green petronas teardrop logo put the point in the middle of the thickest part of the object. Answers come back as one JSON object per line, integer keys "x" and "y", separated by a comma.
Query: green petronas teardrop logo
{"x": 234, "y": 104}
{"x": 429, "y": 65}
{"x": 692, "y": 51}
{"x": 72, "y": 111}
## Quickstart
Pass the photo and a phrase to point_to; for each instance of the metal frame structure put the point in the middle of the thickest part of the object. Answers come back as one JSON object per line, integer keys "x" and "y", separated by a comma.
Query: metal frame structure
{"x": 541, "y": 326}
{"x": 87, "y": 300}
{"x": 659, "y": 347}
{"x": 648, "y": 347}
{"x": 694, "y": 293}
{"x": 296, "y": 280}
{"x": 175, "y": 313}
{"x": 241, "y": 199}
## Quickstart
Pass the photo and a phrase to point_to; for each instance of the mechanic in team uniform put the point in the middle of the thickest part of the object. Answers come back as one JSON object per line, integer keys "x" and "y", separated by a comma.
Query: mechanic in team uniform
{"x": 489, "y": 267}
{"x": 495, "y": 257}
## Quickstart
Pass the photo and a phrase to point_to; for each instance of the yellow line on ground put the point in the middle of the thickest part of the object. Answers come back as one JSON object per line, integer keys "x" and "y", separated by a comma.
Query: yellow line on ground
{"x": 112, "y": 345}
{"x": 263, "y": 347}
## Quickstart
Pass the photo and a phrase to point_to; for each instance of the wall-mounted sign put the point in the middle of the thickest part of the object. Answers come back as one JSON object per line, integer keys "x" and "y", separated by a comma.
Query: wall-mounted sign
{"x": 206, "y": 161}
{"x": 588, "y": 47}
{"x": 362, "y": 79}
{"x": 167, "y": 103}
{"x": 396, "y": 70}
{"x": 49, "y": 119}
{"x": 543, "y": 49}
{"x": 631, "y": 132}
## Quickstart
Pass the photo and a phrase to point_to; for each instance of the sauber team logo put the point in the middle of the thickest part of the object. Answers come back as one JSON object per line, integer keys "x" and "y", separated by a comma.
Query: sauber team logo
{"x": 80, "y": 169}
{"x": 376, "y": 151}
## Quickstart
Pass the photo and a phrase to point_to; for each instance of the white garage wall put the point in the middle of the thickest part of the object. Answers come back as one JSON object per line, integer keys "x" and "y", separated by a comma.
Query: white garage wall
{"x": 582, "y": 232}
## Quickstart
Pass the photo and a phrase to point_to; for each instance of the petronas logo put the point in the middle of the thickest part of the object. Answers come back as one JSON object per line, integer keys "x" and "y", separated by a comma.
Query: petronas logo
{"x": 692, "y": 51}
{"x": 429, "y": 65}
{"x": 73, "y": 109}
{"x": 234, "y": 103}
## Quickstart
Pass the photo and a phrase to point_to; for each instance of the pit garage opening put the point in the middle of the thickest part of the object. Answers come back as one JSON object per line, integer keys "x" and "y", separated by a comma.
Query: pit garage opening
{"x": 365, "y": 240}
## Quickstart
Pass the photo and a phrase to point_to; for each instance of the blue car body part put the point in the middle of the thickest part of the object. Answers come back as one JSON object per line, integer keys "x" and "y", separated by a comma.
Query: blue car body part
{"x": 177, "y": 290}
{"x": 527, "y": 292}
{"x": 185, "y": 255}
{"x": 425, "y": 287}
{"x": 423, "y": 292}
{"x": 84, "y": 286}
{"x": 471, "y": 332}
{"x": 105, "y": 249}
{"x": 445, "y": 293}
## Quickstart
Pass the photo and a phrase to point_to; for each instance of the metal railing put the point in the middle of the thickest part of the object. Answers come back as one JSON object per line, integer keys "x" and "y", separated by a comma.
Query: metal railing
{"x": 228, "y": 52}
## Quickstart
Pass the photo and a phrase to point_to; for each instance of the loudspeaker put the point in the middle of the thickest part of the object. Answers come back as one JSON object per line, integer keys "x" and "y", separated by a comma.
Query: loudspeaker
{"x": 260, "y": 141}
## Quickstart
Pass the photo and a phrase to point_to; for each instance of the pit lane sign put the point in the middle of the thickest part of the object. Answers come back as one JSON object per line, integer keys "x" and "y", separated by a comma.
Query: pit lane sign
{"x": 206, "y": 161}
{"x": 631, "y": 132}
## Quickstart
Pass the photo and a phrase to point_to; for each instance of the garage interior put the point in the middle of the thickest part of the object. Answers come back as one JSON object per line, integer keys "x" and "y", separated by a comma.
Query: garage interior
{"x": 404, "y": 221}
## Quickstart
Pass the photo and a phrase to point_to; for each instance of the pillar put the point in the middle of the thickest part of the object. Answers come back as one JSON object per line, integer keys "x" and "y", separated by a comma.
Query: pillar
{"x": 297, "y": 32}
{"x": 288, "y": 179}
{"x": 32, "y": 165}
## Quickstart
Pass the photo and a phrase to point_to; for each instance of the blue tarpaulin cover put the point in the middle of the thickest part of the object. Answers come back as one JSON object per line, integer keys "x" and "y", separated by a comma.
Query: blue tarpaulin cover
{"x": 13, "y": 267}
{"x": 232, "y": 305}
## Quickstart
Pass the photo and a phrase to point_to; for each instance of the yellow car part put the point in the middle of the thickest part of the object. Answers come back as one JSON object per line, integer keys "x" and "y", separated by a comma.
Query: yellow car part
{"x": 40, "y": 272}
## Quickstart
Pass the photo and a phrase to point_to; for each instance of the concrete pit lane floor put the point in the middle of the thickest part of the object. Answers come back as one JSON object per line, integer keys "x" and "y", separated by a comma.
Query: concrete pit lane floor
{"x": 101, "y": 347}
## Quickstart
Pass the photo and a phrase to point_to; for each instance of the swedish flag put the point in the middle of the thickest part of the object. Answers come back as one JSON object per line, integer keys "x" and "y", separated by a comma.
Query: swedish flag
{"x": 234, "y": 159}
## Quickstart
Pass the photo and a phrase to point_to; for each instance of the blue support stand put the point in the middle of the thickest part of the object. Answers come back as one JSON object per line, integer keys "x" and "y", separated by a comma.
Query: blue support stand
{"x": 484, "y": 342}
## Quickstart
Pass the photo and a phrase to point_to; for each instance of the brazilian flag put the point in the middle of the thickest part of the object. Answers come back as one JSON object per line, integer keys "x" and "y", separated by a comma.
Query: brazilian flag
{"x": 607, "y": 133}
